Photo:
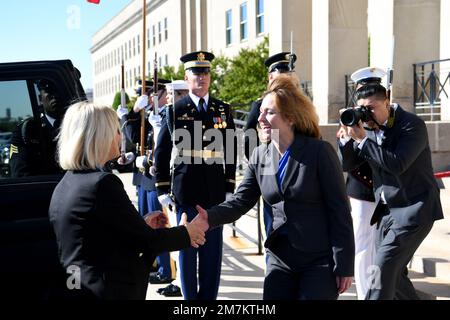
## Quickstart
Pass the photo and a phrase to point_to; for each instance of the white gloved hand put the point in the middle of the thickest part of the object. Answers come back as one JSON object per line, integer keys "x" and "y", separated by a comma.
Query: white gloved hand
{"x": 152, "y": 171}
{"x": 166, "y": 200}
{"x": 140, "y": 161}
{"x": 228, "y": 196}
{"x": 140, "y": 103}
{"x": 155, "y": 120}
{"x": 121, "y": 111}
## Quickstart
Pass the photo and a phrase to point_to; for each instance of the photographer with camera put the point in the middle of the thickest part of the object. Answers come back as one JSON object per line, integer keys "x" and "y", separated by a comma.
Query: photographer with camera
{"x": 395, "y": 144}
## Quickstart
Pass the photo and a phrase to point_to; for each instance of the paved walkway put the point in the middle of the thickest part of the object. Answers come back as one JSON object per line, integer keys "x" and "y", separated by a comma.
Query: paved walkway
{"x": 243, "y": 269}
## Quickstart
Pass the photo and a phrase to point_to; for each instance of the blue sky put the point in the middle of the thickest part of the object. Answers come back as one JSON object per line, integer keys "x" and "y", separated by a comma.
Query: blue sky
{"x": 53, "y": 29}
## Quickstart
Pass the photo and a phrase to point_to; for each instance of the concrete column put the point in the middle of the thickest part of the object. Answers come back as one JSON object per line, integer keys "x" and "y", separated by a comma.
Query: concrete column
{"x": 445, "y": 54}
{"x": 191, "y": 26}
{"x": 339, "y": 47}
{"x": 201, "y": 24}
{"x": 295, "y": 16}
{"x": 415, "y": 26}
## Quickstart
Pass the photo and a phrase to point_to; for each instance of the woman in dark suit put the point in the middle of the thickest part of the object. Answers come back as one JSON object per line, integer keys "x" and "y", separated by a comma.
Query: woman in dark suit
{"x": 102, "y": 240}
{"x": 311, "y": 248}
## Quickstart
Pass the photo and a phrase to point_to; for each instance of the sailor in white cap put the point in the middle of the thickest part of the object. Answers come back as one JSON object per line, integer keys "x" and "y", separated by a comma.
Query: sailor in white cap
{"x": 394, "y": 142}
{"x": 360, "y": 191}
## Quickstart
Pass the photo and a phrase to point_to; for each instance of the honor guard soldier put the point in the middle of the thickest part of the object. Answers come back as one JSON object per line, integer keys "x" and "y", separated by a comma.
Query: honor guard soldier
{"x": 360, "y": 191}
{"x": 277, "y": 64}
{"x": 33, "y": 143}
{"x": 142, "y": 179}
{"x": 201, "y": 174}
{"x": 395, "y": 144}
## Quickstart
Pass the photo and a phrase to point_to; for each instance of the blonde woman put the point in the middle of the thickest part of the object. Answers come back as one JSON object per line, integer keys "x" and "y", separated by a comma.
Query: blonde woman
{"x": 102, "y": 239}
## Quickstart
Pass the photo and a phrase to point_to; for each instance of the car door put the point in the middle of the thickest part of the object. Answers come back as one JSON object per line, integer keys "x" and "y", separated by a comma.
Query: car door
{"x": 28, "y": 252}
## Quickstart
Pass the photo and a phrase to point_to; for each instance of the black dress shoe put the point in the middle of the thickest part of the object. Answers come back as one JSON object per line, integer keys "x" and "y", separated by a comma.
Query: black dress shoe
{"x": 171, "y": 291}
{"x": 156, "y": 278}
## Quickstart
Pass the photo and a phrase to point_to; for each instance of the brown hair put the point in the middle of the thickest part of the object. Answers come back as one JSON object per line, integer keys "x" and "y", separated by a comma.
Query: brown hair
{"x": 294, "y": 106}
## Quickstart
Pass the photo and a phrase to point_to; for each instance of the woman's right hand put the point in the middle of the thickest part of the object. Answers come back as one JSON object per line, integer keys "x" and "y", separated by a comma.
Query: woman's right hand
{"x": 196, "y": 235}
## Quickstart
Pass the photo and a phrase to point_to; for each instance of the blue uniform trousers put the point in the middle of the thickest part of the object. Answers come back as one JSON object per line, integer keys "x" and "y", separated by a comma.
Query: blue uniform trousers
{"x": 209, "y": 263}
{"x": 148, "y": 201}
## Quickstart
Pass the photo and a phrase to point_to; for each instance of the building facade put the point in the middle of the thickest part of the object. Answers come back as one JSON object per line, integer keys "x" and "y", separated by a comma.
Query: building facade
{"x": 330, "y": 37}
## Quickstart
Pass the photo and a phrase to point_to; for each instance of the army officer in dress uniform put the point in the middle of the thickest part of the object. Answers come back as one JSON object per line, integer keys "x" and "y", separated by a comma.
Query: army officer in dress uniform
{"x": 201, "y": 174}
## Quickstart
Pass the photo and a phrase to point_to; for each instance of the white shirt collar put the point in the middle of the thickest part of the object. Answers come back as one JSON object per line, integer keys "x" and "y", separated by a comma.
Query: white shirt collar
{"x": 196, "y": 99}
{"x": 50, "y": 119}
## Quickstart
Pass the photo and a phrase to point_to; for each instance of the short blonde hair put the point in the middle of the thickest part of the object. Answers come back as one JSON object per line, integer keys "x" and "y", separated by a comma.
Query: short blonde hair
{"x": 86, "y": 136}
{"x": 294, "y": 105}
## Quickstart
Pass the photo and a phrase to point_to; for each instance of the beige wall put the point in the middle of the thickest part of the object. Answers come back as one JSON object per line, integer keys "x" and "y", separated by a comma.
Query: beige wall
{"x": 172, "y": 47}
{"x": 339, "y": 46}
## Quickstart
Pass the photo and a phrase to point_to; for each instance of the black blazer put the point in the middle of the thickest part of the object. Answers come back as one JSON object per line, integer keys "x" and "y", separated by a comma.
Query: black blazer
{"x": 99, "y": 230}
{"x": 401, "y": 168}
{"x": 312, "y": 204}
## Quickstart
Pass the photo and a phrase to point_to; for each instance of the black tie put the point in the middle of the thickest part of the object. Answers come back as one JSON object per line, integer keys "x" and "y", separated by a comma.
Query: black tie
{"x": 201, "y": 106}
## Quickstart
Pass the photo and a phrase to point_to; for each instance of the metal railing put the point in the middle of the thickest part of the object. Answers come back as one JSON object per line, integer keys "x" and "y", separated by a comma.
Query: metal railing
{"x": 349, "y": 92}
{"x": 430, "y": 81}
{"x": 307, "y": 89}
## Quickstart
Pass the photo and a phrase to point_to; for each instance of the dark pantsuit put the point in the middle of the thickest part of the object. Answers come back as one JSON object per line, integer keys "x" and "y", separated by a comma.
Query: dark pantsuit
{"x": 209, "y": 263}
{"x": 395, "y": 248}
{"x": 292, "y": 274}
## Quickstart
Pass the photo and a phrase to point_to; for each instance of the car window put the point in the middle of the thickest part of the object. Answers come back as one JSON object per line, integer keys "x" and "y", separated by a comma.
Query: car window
{"x": 15, "y": 106}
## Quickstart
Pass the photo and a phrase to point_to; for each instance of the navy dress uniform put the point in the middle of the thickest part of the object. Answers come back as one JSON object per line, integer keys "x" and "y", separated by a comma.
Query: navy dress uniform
{"x": 201, "y": 175}
{"x": 277, "y": 63}
{"x": 144, "y": 182}
{"x": 406, "y": 193}
{"x": 360, "y": 191}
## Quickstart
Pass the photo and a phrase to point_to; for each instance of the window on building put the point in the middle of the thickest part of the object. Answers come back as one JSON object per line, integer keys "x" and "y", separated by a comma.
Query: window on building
{"x": 139, "y": 44}
{"x": 159, "y": 32}
{"x": 134, "y": 47}
{"x": 229, "y": 29}
{"x": 148, "y": 38}
{"x": 126, "y": 51}
{"x": 259, "y": 16}
{"x": 129, "y": 49}
{"x": 166, "y": 29}
{"x": 159, "y": 62}
{"x": 154, "y": 35}
{"x": 166, "y": 58}
{"x": 243, "y": 21}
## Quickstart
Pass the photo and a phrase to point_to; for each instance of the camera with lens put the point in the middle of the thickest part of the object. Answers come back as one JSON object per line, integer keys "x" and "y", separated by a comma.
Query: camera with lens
{"x": 351, "y": 116}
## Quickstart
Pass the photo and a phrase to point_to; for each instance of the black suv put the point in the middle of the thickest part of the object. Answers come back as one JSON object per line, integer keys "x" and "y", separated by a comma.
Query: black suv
{"x": 29, "y": 265}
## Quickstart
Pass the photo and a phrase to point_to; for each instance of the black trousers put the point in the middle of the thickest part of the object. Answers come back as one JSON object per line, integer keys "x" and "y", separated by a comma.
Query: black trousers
{"x": 294, "y": 275}
{"x": 395, "y": 247}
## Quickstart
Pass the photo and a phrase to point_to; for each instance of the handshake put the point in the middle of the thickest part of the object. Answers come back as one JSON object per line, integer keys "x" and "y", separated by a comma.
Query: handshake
{"x": 196, "y": 228}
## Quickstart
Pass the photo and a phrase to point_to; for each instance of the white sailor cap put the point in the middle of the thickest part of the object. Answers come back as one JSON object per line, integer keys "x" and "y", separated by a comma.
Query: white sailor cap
{"x": 177, "y": 85}
{"x": 368, "y": 75}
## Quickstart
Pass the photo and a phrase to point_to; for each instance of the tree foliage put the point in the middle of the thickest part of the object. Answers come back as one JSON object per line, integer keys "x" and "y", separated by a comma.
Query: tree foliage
{"x": 243, "y": 78}
{"x": 116, "y": 101}
{"x": 239, "y": 80}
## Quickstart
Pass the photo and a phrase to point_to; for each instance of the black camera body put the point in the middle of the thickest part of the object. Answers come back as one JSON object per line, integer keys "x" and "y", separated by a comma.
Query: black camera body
{"x": 351, "y": 116}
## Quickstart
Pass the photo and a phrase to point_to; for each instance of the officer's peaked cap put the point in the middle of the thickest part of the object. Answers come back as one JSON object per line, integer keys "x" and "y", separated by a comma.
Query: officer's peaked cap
{"x": 177, "y": 85}
{"x": 368, "y": 75}
{"x": 197, "y": 59}
{"x": 280, "y": 62}
{"x": 149, "y": 85}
